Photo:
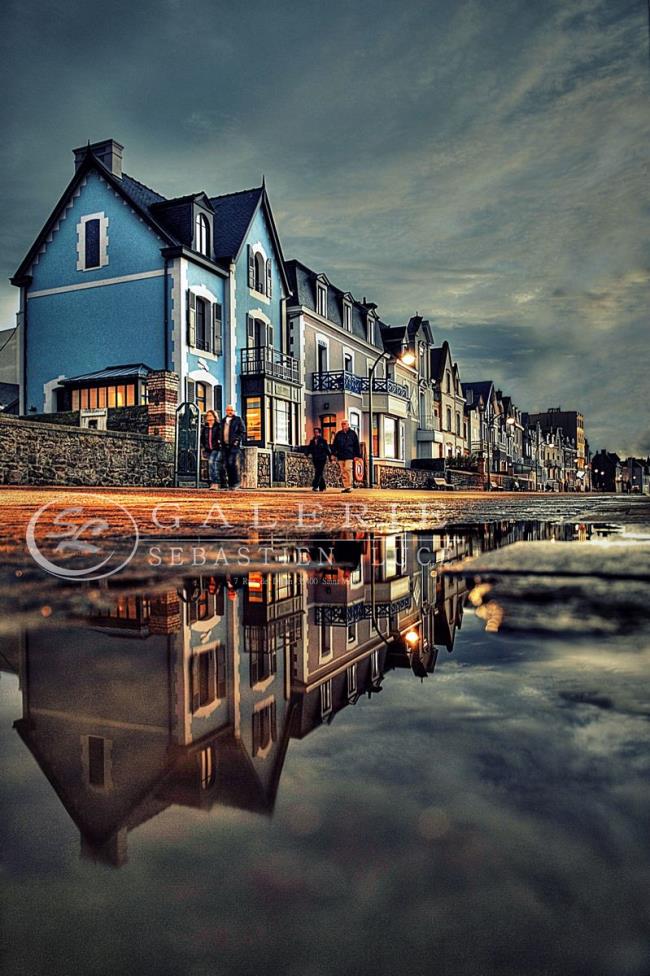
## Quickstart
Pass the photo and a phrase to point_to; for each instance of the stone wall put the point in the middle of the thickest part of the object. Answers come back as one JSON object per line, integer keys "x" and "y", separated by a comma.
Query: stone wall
{"x": 387, "y": 476}
{"x": 300, "y": 472}
{"x": 132, "y": 420}
{"x": 51, "y": 454}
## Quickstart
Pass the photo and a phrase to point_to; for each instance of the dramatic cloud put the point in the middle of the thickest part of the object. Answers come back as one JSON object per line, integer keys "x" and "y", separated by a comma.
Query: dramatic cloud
{"x": 481, "y": 163}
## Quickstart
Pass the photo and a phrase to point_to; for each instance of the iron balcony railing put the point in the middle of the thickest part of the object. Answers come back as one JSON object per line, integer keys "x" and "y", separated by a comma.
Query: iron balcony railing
{"x": 337, "y": 381}
{"x": 333, "y": 381}
{"x": 342, "y": 615}
{"x": 267, "y": 361}
{"x": 382, "y": 384}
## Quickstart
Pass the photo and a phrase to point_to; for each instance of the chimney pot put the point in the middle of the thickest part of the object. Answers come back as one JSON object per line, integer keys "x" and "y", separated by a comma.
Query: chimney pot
{"x": 108, "y": 152}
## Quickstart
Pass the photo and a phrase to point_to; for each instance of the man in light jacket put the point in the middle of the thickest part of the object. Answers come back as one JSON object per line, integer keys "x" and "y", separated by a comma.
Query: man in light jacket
{"x": 345, "y": 449}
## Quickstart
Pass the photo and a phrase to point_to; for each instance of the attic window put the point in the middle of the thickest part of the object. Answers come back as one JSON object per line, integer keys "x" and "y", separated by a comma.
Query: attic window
{"x": 371, "y": 330}
{"x": 321, "y": 299}
{"x": 347, "y": 316}
{"x": 202, "y": 235}
{"x": 92, "y": 242}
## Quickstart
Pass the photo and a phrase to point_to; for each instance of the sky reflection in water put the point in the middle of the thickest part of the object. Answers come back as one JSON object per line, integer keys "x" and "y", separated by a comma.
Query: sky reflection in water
{"x": 259, "y": 779}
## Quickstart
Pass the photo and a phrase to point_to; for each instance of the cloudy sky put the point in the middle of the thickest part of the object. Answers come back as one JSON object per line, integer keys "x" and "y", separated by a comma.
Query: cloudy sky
{"x": 482, "y": 163}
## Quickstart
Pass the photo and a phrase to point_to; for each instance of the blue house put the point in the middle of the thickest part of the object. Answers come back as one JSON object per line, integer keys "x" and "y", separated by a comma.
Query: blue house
{"x": 122, "y": 281}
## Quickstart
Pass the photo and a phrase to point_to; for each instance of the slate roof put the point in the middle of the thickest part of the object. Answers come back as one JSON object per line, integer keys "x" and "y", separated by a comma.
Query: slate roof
{"x": 234, "y": 212}
{"x": 302, "y": 282}
{"x": 142, "y": 195}
{"x": 128, "y": 371}
{"x": 482, "y": 388}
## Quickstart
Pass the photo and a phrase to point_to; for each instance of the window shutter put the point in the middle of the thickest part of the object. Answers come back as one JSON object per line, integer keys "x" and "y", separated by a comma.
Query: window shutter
{"x": 217, "y": 400}
{"x": 191, "y": 318}
{"x": 251, "y": 267}
{"x": 194, "y": 689}
{"x": 217, "y": 338}
{"x": 190, "y": 391}
{"x": 269, "y": 336}
{"x": 269, "y": 278}
{"x": 250, "y": 331}
{"x": 221, "y": 673}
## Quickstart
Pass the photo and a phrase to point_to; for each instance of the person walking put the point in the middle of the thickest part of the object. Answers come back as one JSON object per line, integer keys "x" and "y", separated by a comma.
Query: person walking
{"x": 233, "y": 432}
{"x": 345, "y": 449}
{"x": 211, "y": 444}
{"x": 319, "y": 451}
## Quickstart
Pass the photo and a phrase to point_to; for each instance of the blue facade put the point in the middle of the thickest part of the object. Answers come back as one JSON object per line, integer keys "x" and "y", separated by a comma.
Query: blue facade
{"x": 159, "y": 278}
{"x": 81, "y": 330}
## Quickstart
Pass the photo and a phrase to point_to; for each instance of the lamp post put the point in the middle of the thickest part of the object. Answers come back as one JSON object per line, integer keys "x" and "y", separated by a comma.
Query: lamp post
{"x": 408, "y": 358}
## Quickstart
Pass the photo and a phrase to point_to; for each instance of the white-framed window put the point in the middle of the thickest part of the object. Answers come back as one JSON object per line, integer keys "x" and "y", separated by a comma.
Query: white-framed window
{"x": 322, "y": 355}
{"x": 92, "y": 242}
{"x": 352, "y": 680}
{"x": 260, "y": 271}
{"x": 202, "y": 234}
{"x": 371, "y": 329}
{"x": 325, "y": 642}
{"x": 348, "y": 362}
{"x": 355, "y": 422}
{"x": 374, "y": 665}
{"x": 347, "y": 316}
{"x": 326, "y": 698}
{"x": 282, "y": 422}
{"x": 352, "y": 632}
{"x": 390, "y": 437}
{"x": 321, "y": 299}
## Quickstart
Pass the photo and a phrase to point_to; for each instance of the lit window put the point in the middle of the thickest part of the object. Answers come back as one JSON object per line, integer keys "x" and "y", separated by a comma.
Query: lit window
{"x": 201, "y": 397}
{"x": 328, "y": 426}
{"x": 202, "y": 235}
{"x": 253, "y": 418}
{"x": 282, "y": 422}
{"x": 390, "y": 437}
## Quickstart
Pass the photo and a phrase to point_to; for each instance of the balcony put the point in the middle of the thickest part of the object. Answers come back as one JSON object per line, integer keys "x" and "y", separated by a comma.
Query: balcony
{"x": 267, "y": 361}
{"x": 337, "y": 382}
{"x": 342, "y": 615}
{"x": 382, "y": 384}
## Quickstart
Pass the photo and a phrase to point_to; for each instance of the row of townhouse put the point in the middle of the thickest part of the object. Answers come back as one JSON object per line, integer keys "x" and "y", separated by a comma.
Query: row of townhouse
{"x": 122, "y": 282}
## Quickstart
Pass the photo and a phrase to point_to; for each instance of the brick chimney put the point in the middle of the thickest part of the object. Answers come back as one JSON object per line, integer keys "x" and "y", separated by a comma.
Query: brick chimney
{"x": 108, "y": 152}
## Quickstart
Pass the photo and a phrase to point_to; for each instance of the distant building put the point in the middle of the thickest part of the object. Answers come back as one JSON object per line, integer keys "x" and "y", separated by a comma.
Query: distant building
{"x": 606, "y": 472}
{"x": 572, "y": 423}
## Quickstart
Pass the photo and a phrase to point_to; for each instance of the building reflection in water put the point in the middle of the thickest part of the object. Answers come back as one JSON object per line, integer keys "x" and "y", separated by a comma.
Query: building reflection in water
{"x": 191, "y": 696}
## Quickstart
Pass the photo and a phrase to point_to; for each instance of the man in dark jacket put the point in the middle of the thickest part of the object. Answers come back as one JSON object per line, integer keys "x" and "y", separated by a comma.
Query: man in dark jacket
{"x": 232, "y": 434}
{"x": 319, "y": 451}
{"x": 345, "y": 449}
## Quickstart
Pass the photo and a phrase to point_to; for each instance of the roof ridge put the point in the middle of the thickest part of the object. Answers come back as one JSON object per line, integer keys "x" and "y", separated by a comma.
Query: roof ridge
{"x": 235, "y": 193}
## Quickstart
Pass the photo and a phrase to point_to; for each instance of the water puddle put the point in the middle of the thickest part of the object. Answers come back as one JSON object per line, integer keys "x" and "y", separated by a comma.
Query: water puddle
{"x": 354, "y": 753}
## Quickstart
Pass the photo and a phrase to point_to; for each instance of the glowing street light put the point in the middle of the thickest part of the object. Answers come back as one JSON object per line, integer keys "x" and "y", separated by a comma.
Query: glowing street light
{"x": 412, "y": 638}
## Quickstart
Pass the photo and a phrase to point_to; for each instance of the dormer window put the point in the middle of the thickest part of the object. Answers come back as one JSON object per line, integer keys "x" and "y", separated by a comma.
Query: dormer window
{"x": 371, "y": 329}
{"x": 321, "y": 299}
{"x": 202, "y": 235}
{"x": 347, "y": 315}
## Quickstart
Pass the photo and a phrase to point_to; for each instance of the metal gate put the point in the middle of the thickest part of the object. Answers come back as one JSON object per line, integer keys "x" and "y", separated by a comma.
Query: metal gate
{"x": 188, "y": 445}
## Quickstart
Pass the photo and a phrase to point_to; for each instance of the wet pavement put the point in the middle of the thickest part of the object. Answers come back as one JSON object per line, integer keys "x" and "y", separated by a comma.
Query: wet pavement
{"x": 352, "y": 750}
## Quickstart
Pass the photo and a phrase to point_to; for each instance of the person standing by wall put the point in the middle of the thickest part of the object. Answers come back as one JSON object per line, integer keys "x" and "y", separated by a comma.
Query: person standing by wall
{"x": 211, "y": 444}
{"x": 319, "y": 451}
{"x": 232, "y": 433}
{"x": 345, "y": 449}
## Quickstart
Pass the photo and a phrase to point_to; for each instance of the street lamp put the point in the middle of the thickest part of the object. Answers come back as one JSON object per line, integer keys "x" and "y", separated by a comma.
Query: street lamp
{"x": 406, "y": 357}
{"x": 412, "y": 638}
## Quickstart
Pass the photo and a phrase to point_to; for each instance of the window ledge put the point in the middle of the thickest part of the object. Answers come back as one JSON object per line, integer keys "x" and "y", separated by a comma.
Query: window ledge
{"x": 259, "y": 296}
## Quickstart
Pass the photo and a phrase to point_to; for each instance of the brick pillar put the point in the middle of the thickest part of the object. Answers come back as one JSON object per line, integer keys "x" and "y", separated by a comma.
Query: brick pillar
{"x": 162, "y": 390}
{"x": 165, "y": 614}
